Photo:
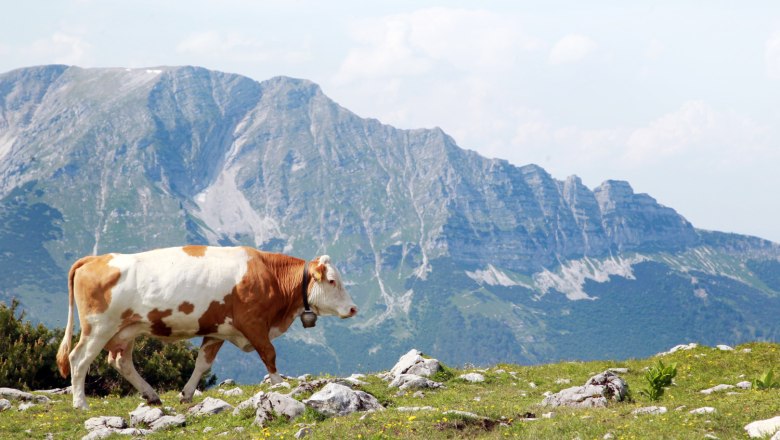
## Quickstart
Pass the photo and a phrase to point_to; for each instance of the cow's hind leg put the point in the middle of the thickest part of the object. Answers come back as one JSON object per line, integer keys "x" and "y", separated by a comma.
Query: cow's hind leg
{"x": 120, "y": 356}
{"x": 81, "y": 358}
{"x": 206, "y": 354}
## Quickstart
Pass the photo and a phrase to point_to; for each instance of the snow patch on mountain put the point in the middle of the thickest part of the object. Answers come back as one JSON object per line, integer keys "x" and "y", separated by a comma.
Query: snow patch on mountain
{"x": 570, "y": 278}
{"x": 493, "y": 277}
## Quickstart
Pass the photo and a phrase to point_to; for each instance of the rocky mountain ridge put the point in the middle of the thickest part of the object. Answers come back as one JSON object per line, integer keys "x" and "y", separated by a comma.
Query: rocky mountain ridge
{"x": 102, "y": 160}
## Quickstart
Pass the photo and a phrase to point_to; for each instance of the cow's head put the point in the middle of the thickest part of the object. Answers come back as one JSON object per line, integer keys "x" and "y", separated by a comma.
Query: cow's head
{"x": 328, "y": 296}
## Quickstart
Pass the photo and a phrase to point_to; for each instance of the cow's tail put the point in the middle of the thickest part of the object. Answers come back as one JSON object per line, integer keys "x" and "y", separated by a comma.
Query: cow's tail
{"x": 63, "y": 362}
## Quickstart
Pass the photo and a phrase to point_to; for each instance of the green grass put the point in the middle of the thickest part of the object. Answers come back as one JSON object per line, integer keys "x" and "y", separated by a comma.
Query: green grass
{"x": 506, "y": 396}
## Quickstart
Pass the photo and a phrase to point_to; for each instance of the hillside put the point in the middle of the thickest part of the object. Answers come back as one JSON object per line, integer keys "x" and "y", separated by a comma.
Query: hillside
{"x": 507, "y": 404}
{"x": 473, "y": 258}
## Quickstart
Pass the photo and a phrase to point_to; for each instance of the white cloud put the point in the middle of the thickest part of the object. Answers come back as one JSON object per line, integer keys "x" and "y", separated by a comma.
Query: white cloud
{"x": 772, "y": 56}
{"x": 60, "y": 47}
{"x": 236, "y": 46}
{"x": 416, "y": 43}
{"x": 571, "y": 49}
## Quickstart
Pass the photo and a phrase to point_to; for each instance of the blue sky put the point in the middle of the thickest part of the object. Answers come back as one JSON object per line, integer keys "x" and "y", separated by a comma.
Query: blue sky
{"x": 682, "y": 99}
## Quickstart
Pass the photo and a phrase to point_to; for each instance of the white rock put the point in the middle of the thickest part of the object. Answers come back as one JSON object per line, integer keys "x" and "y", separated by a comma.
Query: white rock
{"x": 145, "y": 415}
{"x": 463, "y": 414}
{"x": 114, "y": 422}
{"x": 745, "y": 385}
{"x": 407, "y": 381}
{"x": 304, "y": 377}
{"x": 208, "y": 429}
{"x": 761, "y": 428}
{"x": 722, "y": 347}
{"x": 703, "y": 410}
{"x": 336, "y": 399}
{"x": 227, "y": 382}
{"x": 472, "y": 377}
{"x": 4, "y": 405}
{"x": 168, "y": 421}
{"x": 548, "y": 415}
{"x": 676, "y": 348}
{"x": 210, "y": 406}
{"x": 24, "y": 406}
{"x": 14, "y": 394}
{"x": 717, "y": 388}
{"x": 619, "y": 370}
{"x": 532, "y": 384}
{"x": 235, "y": 391}
{"x": 562, "y": 381}
{"x": 413, "y": 363}
{"x": 747, "y": 350}
{"x": 652, "y": 410}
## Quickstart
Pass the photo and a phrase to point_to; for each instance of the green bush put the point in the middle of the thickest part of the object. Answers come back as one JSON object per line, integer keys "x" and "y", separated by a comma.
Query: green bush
{"x": 28, "y": 360}
{"x": 658, "y": 377}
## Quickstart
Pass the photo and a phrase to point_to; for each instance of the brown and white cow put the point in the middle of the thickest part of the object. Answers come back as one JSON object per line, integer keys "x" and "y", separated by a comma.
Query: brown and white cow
{"x": 238, "y": 294}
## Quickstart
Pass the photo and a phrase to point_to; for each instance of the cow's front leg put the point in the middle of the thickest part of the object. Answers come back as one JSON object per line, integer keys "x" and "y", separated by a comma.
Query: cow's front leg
{"x": 267, "y": 353}
{"x": 206, "y": 355}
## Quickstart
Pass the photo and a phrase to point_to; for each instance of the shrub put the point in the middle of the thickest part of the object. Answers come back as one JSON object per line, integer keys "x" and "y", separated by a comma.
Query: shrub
{"x": 28, "y": 360}
{"x": 658, "y": 377}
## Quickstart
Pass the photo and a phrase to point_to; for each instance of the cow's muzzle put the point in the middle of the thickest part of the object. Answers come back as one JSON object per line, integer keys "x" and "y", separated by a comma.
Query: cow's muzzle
{"x": 352, "y": 312}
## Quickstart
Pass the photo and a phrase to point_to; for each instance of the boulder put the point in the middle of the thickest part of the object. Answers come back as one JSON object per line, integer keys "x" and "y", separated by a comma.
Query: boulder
{"x": 407, "y": 381}
{"x": 107, "y": 432}
{"x": 210, "y": 406}
{"x": 723, "y": 347}
{"x": 703, "y": 410}
{"x": 113, "y": 422}
{"x": 145, "y": 415}
{"x": 168, "y": 421}
{"x": 338, "y": 400}
{"x": 24, "y": 406}
{"x": 267, "y": 406}
{"x": 413, "y": 363}
{"x": 762, "y": 428}
{"x": 303, "y": 432}
{"x": 14, "y": 394}
{"x": 307, "y": 387}
{"x": 597, "y": 392}
{"x": 745, "y": 385}
{"x": 232, "y": 392}
{"x": 472, "y": 377}
{"x": 4, "y": 405}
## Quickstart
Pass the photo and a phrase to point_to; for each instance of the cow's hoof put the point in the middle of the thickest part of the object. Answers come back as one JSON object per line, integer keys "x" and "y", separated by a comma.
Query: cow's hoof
{"x": 183, "y": 399}
{"x": 154, "y": 402}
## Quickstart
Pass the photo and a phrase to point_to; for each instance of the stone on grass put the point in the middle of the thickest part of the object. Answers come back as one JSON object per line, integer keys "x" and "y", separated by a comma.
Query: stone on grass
{"x": 407, "y": 381}
{"x": 113, "y": 422}
{"x": 267, "y": 406}
{"x": 232, "y": 392}
{"x": 723, "y": 347}
{"x": 596, "y": 392}
{"x": 23, "y": 396}
{"x": 165, "y": 422}
{"x": 286, "y": 385}
{"x": 4, "y": 405}
{"x": 107, "y": 432}
{"x": 745, "y": 385}
{"x": 210, "y": 406}
{"x": 339, "y": 400}
{"x": 307, "y": 387}
{"x": 413, "y": 363}
{"x": 66, "y": 390}
{"x": 618, "y": 370}
{"x": 717, "y": 388}
{"x": 652, "y": 410}
{"x": 145, "y": 415}
{"x": 24, "y": 406}
{"x": 227, "y": 382}
{"x": 703, "y": 410}
{"x": 354, "y": 379}
{"x": 472, "y": 377}
{"x": 761, "y": 428}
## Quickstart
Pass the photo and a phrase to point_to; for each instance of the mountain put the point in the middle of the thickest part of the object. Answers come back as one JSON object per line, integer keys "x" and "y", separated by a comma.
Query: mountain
{"x": 467, "y": 258}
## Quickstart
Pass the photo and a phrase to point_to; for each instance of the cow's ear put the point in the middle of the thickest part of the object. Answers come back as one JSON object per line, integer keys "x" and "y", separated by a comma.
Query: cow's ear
{"x": 318, "y": 272}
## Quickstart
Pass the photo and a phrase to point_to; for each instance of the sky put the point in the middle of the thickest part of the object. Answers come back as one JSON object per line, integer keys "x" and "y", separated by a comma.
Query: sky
{"x": 681, "y": 99}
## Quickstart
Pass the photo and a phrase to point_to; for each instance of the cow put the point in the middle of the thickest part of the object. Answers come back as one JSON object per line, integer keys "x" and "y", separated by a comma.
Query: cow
{"x": 237, "y": 294}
